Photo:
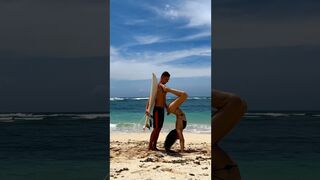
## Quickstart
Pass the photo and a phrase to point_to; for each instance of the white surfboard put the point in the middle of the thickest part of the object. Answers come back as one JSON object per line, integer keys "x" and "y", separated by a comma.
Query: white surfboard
{"x": 152, "y": 98}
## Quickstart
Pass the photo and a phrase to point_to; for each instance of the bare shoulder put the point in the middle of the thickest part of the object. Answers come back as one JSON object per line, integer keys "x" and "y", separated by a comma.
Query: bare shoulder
{"x": 163, "y": 87}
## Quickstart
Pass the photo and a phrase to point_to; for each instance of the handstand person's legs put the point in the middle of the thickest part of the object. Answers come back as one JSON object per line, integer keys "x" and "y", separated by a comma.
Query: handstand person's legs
{"x": 182, "y": 96}
{"x": 230, "y": 108}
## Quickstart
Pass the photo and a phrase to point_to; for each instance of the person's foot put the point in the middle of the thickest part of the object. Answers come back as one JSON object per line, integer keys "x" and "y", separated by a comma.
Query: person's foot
{"x": 170, "y": 151}
{"x": 153, "y": 149}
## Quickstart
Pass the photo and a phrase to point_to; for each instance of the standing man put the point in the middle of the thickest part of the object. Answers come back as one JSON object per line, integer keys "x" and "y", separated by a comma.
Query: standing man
{"x": 158, "y": 110}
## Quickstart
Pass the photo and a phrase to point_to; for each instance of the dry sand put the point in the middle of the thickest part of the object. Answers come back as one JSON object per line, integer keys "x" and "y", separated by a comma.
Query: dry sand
{"x": 130, "y": 159}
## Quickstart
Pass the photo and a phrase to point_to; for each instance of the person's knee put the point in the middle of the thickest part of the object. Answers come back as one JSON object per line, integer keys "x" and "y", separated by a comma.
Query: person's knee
{"x": 184, "y": 95}
{"x": 237, "y": 103}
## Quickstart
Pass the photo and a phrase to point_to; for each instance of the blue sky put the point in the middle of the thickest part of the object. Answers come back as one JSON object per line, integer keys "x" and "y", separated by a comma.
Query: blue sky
{"x": 156, "y": 36}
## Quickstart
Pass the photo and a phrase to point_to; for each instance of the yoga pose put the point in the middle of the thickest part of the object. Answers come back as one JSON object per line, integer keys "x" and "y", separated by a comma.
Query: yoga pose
{"x": 229, "y": 109}
{"x": 181, "y": 121}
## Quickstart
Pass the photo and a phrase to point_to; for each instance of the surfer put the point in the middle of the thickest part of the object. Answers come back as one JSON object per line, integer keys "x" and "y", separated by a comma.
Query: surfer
{"x": 229, "y": 109}
{"x": 158, "y": 110}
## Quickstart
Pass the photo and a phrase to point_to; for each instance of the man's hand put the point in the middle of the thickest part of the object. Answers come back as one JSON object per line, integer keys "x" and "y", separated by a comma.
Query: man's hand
{"x": 147, "y": 113}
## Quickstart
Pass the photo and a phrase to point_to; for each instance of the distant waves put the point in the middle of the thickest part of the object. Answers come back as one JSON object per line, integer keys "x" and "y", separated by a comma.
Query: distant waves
{"x": 145, "y": 98}
{"x": 12, "y": 117}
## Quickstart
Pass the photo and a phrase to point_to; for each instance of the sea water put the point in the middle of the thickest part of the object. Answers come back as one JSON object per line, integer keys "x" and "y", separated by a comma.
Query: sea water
{"x": 128, "y": 114}
{"x": 266, "y": 145}
{"x": 53, "y": 146}
{"x": 276, "y": 145}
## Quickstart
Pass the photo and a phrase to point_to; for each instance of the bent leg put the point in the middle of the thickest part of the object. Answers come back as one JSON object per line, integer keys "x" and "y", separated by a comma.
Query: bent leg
{"x": 230, "y": 108}
{"x": 182, "y": 96}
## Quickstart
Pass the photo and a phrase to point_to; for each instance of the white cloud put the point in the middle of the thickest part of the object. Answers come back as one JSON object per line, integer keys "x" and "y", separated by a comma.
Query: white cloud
{"x": 150, "y": 39}
{"x": 140, "y": 66}
{"x": 113, "y": 51}
{"x": 147, "y": 39}
{"x": 165, "y": 57}
{"x": 121, "y": 70}
{"x": 126, "y": 65}
{"x": 135, "y": 22}
{"x": 194, "y": 36}
{"x": 198, "y": 13}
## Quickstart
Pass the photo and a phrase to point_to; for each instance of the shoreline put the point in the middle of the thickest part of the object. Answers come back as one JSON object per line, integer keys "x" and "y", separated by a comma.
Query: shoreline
{"x": 130, "y": 159}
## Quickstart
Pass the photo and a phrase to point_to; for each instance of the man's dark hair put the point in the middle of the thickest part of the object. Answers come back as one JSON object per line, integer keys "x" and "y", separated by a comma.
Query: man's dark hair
{"x": 165, "y": 74}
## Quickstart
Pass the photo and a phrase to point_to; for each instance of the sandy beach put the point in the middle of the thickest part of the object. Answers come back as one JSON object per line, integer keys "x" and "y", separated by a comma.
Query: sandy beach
{"x": 130, "y": 159}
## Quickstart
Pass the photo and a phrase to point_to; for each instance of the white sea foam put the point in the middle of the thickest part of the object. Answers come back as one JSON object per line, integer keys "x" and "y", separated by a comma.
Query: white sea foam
{"x": 140, "y": 98}
{"x": 267, "y": 114}
{"x": 199, "y": 98}
{"x": 6, "y": 119}
{"x": 29, "y": 118}
{"x": 113, "y": 126}
{"x": 116, "y": 99}
{"x": 145, "y": 98}
{"x": 90, "y": 116}
{"x": 251, "y": 116}
{"x": 299, "y": 114}
{"x": 274, "y": 114}
{"x": 15, "y": 115}
{"x": 167, "y": 127}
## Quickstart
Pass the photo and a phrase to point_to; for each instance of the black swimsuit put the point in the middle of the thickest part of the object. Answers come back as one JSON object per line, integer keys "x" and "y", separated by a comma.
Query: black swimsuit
{"x": 158, "y": 117}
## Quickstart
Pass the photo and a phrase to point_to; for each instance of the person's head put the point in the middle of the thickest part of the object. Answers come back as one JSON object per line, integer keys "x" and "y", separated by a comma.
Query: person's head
{"x": 165, "y": 76}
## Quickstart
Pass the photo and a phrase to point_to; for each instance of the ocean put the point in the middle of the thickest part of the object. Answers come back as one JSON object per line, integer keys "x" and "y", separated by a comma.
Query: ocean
{"x": 276, "y": 145}
{"x": 266, "y": 145}
{"x": 50, "y": 146}
{"x": 128, "y": 114}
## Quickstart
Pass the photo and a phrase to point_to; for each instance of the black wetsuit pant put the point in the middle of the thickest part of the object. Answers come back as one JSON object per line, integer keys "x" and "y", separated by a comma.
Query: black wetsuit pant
{"x": 158, "y": 117}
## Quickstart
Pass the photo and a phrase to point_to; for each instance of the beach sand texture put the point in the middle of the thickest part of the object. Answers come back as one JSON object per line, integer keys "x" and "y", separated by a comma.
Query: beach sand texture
{"x": 130, "y": 159}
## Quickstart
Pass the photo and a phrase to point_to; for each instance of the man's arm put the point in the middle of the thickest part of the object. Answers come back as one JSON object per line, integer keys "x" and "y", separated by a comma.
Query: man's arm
{"x": 165, "y": 89}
